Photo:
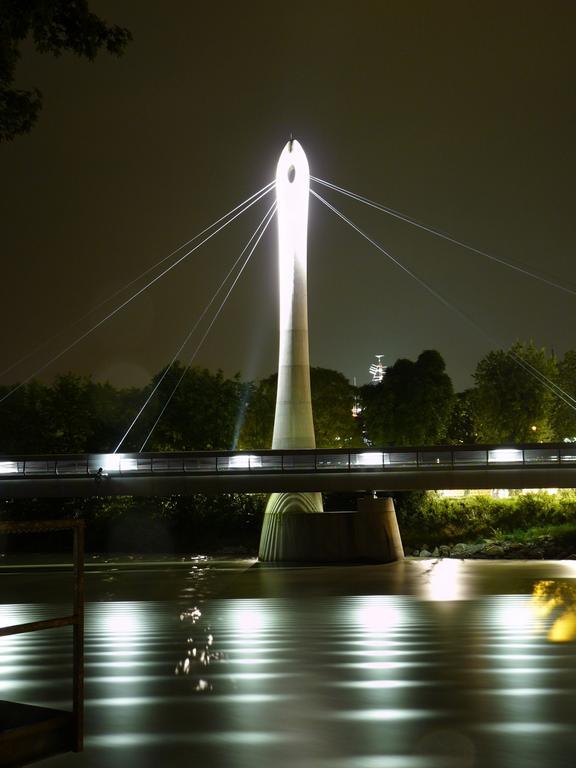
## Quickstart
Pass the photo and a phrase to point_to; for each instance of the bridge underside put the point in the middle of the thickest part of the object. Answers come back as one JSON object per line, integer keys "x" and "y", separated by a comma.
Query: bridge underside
{"x": 386, "y": 481}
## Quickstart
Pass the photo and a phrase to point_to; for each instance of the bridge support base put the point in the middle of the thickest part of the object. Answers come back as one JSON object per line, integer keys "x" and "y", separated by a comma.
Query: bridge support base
{"x": 371, "y": 534}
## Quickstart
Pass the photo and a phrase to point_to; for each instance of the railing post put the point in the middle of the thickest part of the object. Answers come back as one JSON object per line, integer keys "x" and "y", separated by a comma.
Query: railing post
{"x": 78, "y": 650}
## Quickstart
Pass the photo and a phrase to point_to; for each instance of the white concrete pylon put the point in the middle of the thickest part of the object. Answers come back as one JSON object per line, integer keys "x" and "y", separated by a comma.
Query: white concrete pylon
{"x": 293, "y": 421}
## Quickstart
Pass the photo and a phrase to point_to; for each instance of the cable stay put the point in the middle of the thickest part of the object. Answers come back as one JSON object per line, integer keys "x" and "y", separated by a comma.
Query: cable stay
{"x": 258, "y": 195}
{"x": 125, "y": 303}
{"x": 191, "y": 332}
{"x": 257, "y": 235}
{"x": 524, "y": 364}
{"x": 556, "y": 390}
{"x": 445, "y": 236}
{"x": 203, "y": 339}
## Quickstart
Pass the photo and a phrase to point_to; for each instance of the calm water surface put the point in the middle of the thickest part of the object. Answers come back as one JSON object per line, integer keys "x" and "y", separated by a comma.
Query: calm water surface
{"x": 224, "y": 663}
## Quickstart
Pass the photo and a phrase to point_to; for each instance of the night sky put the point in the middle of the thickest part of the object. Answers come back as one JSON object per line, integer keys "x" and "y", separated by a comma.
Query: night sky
{"x": 461, "y": 114}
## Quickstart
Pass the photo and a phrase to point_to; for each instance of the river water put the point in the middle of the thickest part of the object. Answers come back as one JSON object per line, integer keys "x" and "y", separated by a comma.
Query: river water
{"x": 420, "y": 664}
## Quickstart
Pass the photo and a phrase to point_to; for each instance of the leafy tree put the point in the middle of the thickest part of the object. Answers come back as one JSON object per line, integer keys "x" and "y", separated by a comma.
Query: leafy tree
{"x": 461, "y": 427}
{"x": 412, "y": 405}
{"x": 110, "y": 408}
{"x": 202, "y": 414}
{"x": 67, "y": 414}
{"x": 54, "y": 26}
{"x": 256, "y": 431}
{"x": 332, "y": 401}
{"x": 563, "y": 416}
{"x": 510, "y": 404}
{"x": 22, "y": 427}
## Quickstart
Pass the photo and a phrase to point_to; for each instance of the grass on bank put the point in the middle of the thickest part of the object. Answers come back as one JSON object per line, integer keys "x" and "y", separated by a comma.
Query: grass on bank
{"x": 426, "y": 517}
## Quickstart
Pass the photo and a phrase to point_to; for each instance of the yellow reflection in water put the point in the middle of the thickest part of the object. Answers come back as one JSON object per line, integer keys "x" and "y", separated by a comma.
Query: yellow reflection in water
{"x": 557, "y": 600}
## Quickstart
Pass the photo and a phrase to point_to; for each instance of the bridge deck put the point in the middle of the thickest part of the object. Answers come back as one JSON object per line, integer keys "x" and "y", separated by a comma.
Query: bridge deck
{"x": 538, "y": 465}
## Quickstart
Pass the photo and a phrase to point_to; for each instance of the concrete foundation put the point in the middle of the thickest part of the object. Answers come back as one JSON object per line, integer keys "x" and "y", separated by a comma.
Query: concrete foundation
{"x": 371, "y": 535}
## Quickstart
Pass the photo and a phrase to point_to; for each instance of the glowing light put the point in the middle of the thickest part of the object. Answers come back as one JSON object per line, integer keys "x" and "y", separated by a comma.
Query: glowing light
{"x": 372, "y": 459}
{"x": 386, "y": 714}
{"x": 8, "y": 467}
{"x": 445, "y": 580}
{"x": 517, "y": 616}
{"x": 115, "y": 462}
{"x": 292, "y": 192}
{"x": 249, "y": 621}
{"x": 122, "y": 621}
{"x": 378, "y": 615}
{"x": 245, "y": 462}
{"x": 505, "y": 456}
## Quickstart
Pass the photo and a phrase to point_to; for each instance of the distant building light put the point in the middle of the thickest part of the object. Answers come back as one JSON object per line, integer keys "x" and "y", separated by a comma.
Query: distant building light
{"x": 377, "y": 370}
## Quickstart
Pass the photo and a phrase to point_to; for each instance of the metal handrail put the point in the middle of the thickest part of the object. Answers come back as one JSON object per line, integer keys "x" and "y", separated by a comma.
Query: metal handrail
{"x": 76, "y": 620}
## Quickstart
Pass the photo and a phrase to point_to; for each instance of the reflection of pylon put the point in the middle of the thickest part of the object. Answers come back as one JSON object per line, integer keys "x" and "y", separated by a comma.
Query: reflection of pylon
{"x": 377, "y": 370}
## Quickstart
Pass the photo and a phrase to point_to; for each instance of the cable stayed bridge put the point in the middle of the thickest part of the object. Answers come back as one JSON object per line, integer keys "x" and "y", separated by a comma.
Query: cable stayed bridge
{"x": 344, "y": 469}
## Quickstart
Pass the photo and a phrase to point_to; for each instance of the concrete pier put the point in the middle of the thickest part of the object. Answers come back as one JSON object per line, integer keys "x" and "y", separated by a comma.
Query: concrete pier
{"x": 369, "y": 535}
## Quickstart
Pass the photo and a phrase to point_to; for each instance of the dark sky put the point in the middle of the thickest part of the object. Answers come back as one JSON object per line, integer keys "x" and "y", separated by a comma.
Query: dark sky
{"x": 461, "y": 114}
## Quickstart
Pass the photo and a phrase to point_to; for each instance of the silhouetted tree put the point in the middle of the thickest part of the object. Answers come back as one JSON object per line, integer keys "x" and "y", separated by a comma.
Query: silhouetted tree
{"x": 54, "y": 26}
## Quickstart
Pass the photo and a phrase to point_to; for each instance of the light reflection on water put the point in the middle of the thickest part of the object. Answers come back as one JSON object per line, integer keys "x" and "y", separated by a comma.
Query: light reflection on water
{"x": 351, "y": 681}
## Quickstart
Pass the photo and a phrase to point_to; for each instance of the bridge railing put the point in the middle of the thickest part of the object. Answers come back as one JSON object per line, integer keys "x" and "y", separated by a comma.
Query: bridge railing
{"x": 294, "y": 461}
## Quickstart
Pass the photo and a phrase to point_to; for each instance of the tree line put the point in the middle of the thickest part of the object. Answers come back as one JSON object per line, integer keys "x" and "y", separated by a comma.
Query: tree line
{"x": 415, "y": 404}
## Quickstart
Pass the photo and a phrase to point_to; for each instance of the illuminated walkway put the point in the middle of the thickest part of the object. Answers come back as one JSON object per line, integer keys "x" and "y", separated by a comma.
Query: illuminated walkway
{"x": 541, "y": 465}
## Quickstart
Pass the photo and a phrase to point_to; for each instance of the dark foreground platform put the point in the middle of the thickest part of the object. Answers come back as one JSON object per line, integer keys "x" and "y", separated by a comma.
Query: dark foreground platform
{"x": 29, "y": 733}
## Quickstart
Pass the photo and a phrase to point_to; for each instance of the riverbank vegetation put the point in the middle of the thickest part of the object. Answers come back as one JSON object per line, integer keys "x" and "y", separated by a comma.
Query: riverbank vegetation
{"x": 525, "y": 525}
{"x": 535, "y": 524}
